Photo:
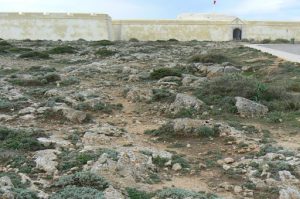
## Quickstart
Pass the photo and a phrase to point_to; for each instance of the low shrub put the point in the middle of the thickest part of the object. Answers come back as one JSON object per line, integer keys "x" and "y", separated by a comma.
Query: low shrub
{"x": 133, "y": 40}
{"x": 62, "y": 50}
{"x": 35, "y": 55}
{"x": 83, "y": 179}
{"x": 5, "y": 43}
{"x": 164, "y": 72}
{"x": 163, "y": 95}
{"x": 24, "y": 194}
{"x": 73, "y": 192}
{"x": 209, "y": 58}
{"x": 266, "y": 41}
{"x": 205, "y": 131}
{"x": 136, "y": 194}
{"x": 102, "y": 43}
{"x": 99, "y": 107}
{"x": 176, "y": 193}
{"x": 15, "y": 179}
{"x": 19, "y": 139}
{"x": 70, "y": 81}
{"x": 70, "y": 159}
{"x": 281, "y": 41}
{"x": 5, "y": 104}
{"x": 105, "y": 52}
{"x": 19, "y": 50}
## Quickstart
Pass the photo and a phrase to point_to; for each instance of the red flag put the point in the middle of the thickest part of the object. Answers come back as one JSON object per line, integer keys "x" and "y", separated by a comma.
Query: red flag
{"x": 215, "y": 1}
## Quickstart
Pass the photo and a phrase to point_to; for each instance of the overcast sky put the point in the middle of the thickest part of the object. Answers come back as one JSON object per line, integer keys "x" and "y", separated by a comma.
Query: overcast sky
{"x": 162, "y": 9}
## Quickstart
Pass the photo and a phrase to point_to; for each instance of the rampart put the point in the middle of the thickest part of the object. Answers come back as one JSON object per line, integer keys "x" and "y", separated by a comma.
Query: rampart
{"x": 55, "y": 26}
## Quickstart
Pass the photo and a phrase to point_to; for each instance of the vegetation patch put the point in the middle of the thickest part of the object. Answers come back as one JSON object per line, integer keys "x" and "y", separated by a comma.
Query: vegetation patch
{"x": 70, "y": 159}
{"x": 78, "y": 193}
{"x": 62, "y": 50}
{"x": 102, "y": 43}
{"x": 210, "y": 58}
{"x": 103, "y": 52}
{"x": 35, "y": 55}
{"x": 133, "y": 193}
{"x": 176, "y": 193}
{"x": 164, "y": 72}
{"x": 20, "y": 139}
{"x": 163, "y": 95}
{"x": 83, "y": 179}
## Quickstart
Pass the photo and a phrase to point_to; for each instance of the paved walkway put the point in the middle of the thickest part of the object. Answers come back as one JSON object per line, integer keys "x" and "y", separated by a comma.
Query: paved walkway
{"x": 289, "y": 52}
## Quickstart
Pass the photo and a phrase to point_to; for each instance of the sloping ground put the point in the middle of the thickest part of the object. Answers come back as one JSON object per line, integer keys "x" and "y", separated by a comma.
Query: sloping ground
{"x": 161, "y": 119}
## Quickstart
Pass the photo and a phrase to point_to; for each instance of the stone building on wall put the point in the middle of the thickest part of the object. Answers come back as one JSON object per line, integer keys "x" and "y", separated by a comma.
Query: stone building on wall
{"x": 202, "y": 27}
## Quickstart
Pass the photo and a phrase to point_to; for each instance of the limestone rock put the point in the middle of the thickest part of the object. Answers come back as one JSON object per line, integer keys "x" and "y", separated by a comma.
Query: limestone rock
{"x": 27, "y": 110}
{"x": 46, "y": 160}
{"x": 112, "y": 193}
{"x": 229, "y": 160}
{"x": 5, "y": 183}
{"x": 107, "y": 130}
{"x": 176, "y": 167}
{"x": 249, "y": 108}
{"x": 137, "y": 94}
{"x": 187, "y": 102}
{"x": 289, "y": 193}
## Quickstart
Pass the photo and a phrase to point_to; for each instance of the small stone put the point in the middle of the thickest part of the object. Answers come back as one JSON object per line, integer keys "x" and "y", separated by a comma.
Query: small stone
{"x": 229, "y": 160}
{"x": 237, "y": 189}
{"x": 226, "y": 167}
{"x": 176, "y": 167}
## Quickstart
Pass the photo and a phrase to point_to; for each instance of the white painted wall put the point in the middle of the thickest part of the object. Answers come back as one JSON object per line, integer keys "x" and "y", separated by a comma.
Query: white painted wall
{"x": 55, "y": 26}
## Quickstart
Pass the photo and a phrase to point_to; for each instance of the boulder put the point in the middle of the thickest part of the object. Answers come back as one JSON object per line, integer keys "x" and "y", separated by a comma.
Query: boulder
{"x": 112, "y": 193}
{"x": 289, "y": 193}
{"x": 5, "y": 183}
{"x": 135, "y": 94}
{"x": 46, "y": 160}
{"x": 184, "y": 101}
{"x": 248, "y": 108}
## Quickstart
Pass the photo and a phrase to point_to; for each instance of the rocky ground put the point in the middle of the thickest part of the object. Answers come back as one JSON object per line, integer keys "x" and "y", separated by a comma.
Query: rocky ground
{"x": 141, "y": 120}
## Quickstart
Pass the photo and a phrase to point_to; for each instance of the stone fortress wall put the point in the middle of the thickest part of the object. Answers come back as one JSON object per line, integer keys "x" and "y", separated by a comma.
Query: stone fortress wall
{"x": 202, "y": 27}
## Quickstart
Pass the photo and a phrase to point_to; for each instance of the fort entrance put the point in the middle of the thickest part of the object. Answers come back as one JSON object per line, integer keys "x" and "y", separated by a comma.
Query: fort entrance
{"x": 237, "y": 34}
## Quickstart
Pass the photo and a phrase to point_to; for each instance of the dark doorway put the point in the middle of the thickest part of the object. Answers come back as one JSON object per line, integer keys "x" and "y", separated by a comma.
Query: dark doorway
{"x": 237, "y": 34}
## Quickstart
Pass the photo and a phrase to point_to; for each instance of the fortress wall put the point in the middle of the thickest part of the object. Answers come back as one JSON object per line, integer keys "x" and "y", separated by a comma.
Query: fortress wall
{"x": 260, "y": 30}
{"x": 152, "y": 30}
{"x": 55, "y": 26}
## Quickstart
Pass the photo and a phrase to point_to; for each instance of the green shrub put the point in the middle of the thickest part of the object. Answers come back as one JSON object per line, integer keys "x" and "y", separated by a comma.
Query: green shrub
{"x": 5, "y": 44}
{"x": 23, "y": 163}
{"x": 15, "y": 179}
{"x": 19, "y": 139}
{"x": 5, "y": 104}
{"x": 275, "y": 117}
{"x": 70, "y": 81}
{"x": 70, "y": 159}
{"x": 159, "y": 161}
{"x": 185, "y": 113}
{"x": 73, "y": 192}
{"x": 100, "y": 106}
{"x": 163, "y": 95}
{"x": 210, "y": 58}
{"x": 281, "y": 41}
{"x": 176, "y": 193}
{"x": 102, "y": 43}
{"x": 35, "y": 55}
{"x": 19, "y": 50}
{"x": 136, "y": 194}
{"x": 83, "y": 179}
{"x": 173, "y": 40}
{"x": 164, "y": 72}
{"x": 62, "y": 50}
{"x": 180, "y": 160}
{"x": 266, "y": 41}
{"x": 133, "y": 40}
{"x": 164, "y": 130}
{"x": 24, "y": 194}
{"x": 205, "y": 131}
{"x": 36, "y": 81}
{"x": 105, "y": 52}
